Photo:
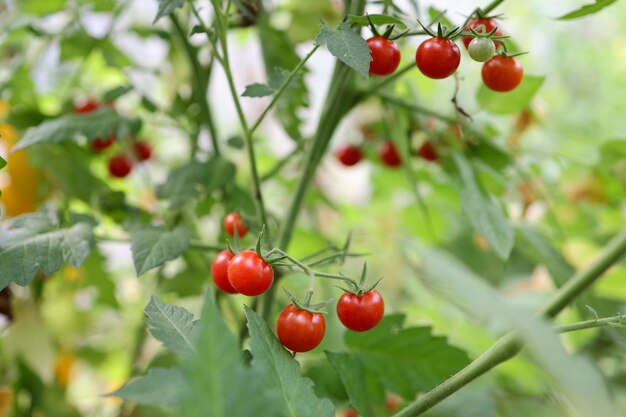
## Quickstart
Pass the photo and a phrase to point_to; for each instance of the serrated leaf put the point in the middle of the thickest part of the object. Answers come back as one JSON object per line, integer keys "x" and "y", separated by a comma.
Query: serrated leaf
{"x": 173, "y": 326}
{"x": 377, "y": 19}
{"x": 167, "y": 7}
{"x": 348, "y": 46}
{"x": 158, "y": 387}
{"x": 405, "y": 360}
{"x": 367, "y": 395}
{"x": 100, "y": 123}
{"x": 587, "y": 9}
{"x": 152, "y": 246}
{"x": 23, "y": 252}
{"x": 220, "y": 384}
{"x": 258, "y": 90}
{"x": 484, "y": 213}
{"x": 512, "y": 102}
{"x": 283, "y": 372}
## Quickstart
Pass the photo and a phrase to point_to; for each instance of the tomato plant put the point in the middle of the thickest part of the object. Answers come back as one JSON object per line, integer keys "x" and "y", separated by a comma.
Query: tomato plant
{"x": 233, "y": 222}
{"x": 349, "y": 155}
{"x": 249, "y": 274}
{"x": 502, "y": 73}
{"x": 389, "y": 155}
{"x": 120, "y": 166}
{"x": 385, "y": 55}
{"x": 361, "y": 312}
{"x": 219, "y": 271}
{"x": 438, "y": 58}
{"x": 481, "y": 49}
{"x": 487, "y": 24}
{"x": 300, "y": 330}
{"x": 143, "y": 150}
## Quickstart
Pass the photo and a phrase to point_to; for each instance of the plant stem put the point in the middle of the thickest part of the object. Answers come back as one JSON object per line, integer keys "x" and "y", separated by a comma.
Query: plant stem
{"x": 416, "y": 107}
{"x": 282, "y": 88}
{"x": 590, "y": 324}
{"x": 508, "y": 346}
{"x": 280, "y": 164}
{"x": 491, "y": 6}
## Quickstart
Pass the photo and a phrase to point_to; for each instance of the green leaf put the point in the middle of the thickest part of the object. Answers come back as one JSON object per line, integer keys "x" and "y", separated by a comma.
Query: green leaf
{"x": 195, "y": 180}
{"x": 348, "y": 46}
{"x": 42, "y": 7}
{"x": 377, "y": 19}
{"x": 274, "y": 82}
{"x": 92, "y": 125}
{"x": 167, "y": 7}
{"x": 539, "y": 249}
{"x": 3, "y": 163}
{"x": 173, "y": 326}
{"x": 484, "y": 213}
{"x": 513, "y": 101}
{"x": 152, "y": 246}
{"x": 220, "y": 385}
{"x": 587, "y": 9}
{"x": 25, "y": 251}
{"x": 283, "y": 372}
{"x": 258, "y": 90}
{"x": 365, "y": 390}
{"x": 159, "y": 386}
{"x": 405, "y": 360}
{"x": 437, "y": 15}
{"x": 116, "y": 93}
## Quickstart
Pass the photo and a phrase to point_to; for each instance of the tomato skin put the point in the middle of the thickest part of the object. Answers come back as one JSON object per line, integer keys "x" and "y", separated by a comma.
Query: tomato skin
{"x": 350, "y": 412}
{"x": 249, "y": 274}
{"x": 233, "y": 219}
{"x": 481, "y": 49}
{"x": 437, "y": 58}
{"x": 143, "y": 150}
{"x": 502, "y": 73}
{"x": 349, "y": 155}
{"x": 86, "y": 106}
{"x": 120, "y": 166}
{"x": 428, "y": 152}
{"x": 300, "y": 330}
{"x": 361, "y": 312}
{"x": 385, "y": 55}
{"x": 100, "y": 144}
{"x": 489, "y": 24}
{"x": 389, "y": 156}
{"x": 219, "y": 271}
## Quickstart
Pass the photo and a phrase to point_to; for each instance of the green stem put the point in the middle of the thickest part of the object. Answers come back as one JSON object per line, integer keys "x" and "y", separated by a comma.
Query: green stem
{"x": 282, "y": 88}
{"x": 590, "y": 324}
{"x": 280, "y": 164}
{"x": 508, "y": 346}
{"x": 416, "y": 107}
{"x": 491, "y": 6}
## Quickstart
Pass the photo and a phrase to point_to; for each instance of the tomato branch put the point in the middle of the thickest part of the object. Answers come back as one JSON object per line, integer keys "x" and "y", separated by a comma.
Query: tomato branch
{"x": 618, "y": 321}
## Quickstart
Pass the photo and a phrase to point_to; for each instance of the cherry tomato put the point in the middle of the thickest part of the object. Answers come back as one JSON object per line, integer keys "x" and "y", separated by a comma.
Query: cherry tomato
{"x": 389, "y": 155}
{"x": 219, "y": 273}
{"x": 143, "y": 150}
{"x": 502, "y": 73}
{"x": 428, "y": 152}
{"x": 349, "y": 155}
{"x": 233, "y": 219}
{"x": 392, "y": 402}
{"x": 249, "y": 274}
{"x": 437, "y": 58}
{"x": 100, "y": 144}
{"x": 350, "y": 412}
{"x": 300, "y": 330}
{"x": 120, "y": 166}
{"x": 361, "y": 312}
{"x": 86, "y": 106}
{"x": 385, "y": 55}
{"x": 489, "y": 24}
{"x": 481, "y": 49}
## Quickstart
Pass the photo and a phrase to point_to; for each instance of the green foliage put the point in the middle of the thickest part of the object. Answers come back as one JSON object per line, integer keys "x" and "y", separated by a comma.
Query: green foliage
{"x": 158, "y": 387}
{"x": 376, "y": 19}
{"x": 167, "y": 7}
{"x": 152, "y": 246}
{"x": 512, "y": 102}
{"x": 173, "y": 326}
{"x": 587, "y": 9}
{"x": 274, "y": 82}
{"x": 3, "y": 163}
{"x": 345, "y": 44}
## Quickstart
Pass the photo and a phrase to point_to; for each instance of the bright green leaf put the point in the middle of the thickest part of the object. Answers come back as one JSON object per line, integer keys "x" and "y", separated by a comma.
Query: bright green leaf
{"x": 513, "y": 101}
{"x": 283, "y": 372}
{"x": 3, "y": 163}
{"x": 484, "y": 213}
{"x": 158, "y": 387}
{"x": 348, "y": 46}
{"x": 42, "y": 7}
{"x": 377, "y": 19}
{"x": 587, "y": 9}
{"x": 173, "y": 326}
{"x": 167, "y": 7}
{"x": 152, "y": 246}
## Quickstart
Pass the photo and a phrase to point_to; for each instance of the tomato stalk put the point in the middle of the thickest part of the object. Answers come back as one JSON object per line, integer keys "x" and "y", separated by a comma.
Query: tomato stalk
{"x": 616, "y": 321}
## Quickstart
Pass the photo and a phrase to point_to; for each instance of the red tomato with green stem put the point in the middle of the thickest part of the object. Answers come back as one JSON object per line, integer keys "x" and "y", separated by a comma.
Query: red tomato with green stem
{"x": 385, "y": 55}
{"x": 249, "y": 274}
{"x": 488, "y": 23}
{"x": 361, "y": 312}
{"x": 219, "y": 271}
{"x": 349, "y": 155}
{"x": 437, "y": 58}
{"x": 300, "y": 330}
{"x": 233, "y": 220}
{"x": 502, "y": 73}
{"x": 389, "y": 155}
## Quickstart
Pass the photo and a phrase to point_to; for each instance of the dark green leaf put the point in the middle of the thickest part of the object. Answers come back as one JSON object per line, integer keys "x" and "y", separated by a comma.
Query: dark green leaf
{"x": 283, "y": 372}
{"x": 167, "y": 7}
{"x": 173, "y": 326}
{"x": 377, "y": 19}
{"x": 158, "y": 387}
{"x": 116, "y": 93}
{"x": 513, "y": 101}
{"x": 348, "y": 46}
{"x": 3, "y": 163}
{"x": 258, "y": 90}
{"x": 152, "y": 246}
{"x": 236, "y": 142}
{"x": 587, "y": 9}
{"x": 484, "y": 213}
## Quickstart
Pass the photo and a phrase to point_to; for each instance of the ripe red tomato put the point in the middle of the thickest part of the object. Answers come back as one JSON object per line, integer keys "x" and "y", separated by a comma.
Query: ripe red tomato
{"x": 101, "y": 144}
{"x": 428, "y": 152}
{"x": 349, "y": 155}
{"x": 249, "y": 274}
{"x": 392, "y": 402}
{"x": 350, "y": 412}
{"x": 219, "y": 269}
{"x": 502, "y": 73}
{"x": 437, "y": 58}
{"x": 385, "y": 55}
{"x": 361, "y": 312}
{"x": 143, "y": 150}
{"x": 86, "y": 106}
{"x": 300, "y": 330}
{"x": 120, "y": 166}
{"x": 489, "y": 24}
{"x": 388, "y": 154}
{"x": 233, "y": 219}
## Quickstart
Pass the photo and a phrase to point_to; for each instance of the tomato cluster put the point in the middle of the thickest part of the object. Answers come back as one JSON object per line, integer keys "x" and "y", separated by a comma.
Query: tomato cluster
{"x": 387, "y": 153}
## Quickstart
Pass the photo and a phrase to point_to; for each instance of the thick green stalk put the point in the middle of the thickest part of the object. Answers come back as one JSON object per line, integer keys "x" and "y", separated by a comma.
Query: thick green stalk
{"x": 507, "y": 346}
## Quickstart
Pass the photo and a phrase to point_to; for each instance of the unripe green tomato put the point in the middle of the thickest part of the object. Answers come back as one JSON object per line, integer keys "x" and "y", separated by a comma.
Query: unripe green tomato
{"x": 481, "y": 49}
